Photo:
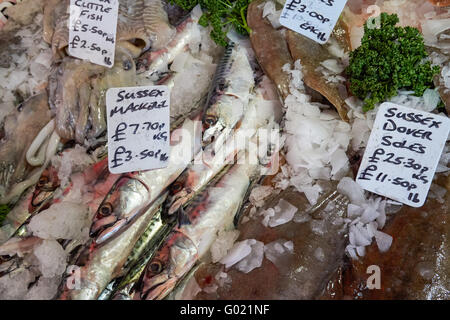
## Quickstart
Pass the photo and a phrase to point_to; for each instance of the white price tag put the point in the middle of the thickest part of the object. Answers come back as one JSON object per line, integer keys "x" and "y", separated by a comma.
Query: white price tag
{"x": 138, "y": 128}
{"x": 315, "y": 19}
{"x": 402, "y": 154}
{"x": 92, "y": 30}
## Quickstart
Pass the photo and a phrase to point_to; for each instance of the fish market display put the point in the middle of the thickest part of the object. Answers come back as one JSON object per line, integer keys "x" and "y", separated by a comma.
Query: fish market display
{"x": 194, "y": 235}
{"x": 259, "y": 197}
{"x": 192, "y": 182}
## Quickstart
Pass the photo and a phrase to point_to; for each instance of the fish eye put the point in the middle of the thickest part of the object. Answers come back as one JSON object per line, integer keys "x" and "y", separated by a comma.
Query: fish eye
{"x": 176, "y": 187}
{"x": 210, "y": 120}
{"x": 127, "y": 65}
{"x": 42, "y": 181}
{"x": 156, "y": 267}
{"x": 106, "y": 209}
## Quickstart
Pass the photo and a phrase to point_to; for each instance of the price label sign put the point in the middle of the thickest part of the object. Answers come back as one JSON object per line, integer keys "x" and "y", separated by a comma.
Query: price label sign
{"x": 92, "y": 30}
{"x": 315, "y": 19}
{"x": 138, "y": 128}
{"x": 402, "y": 154}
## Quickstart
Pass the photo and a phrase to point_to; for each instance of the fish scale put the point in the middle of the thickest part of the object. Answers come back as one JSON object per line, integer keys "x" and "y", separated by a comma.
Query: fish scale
{"x": 143, "y": 242}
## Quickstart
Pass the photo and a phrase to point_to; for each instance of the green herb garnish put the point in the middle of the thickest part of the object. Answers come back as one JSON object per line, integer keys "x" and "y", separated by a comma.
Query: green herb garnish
{"x": 4, "y": 210}
{"x": 222, "y": 15}
{"x": 388, "y": 59}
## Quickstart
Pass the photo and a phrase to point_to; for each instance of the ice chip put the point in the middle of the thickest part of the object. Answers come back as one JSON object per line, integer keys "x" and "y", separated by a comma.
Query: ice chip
{"x": 383, "y": 240}
{"x": 239, "y": 251}
{"x": 279, "y": 252}
{"x": 284, "y": 212}
{"x": 352, "y": 190}
{"x": 254, "y": 259}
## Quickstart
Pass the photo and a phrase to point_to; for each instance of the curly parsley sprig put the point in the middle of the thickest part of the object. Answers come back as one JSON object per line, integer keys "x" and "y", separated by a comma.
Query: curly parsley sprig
{"x": 389, "y": 58}
{"x": 222, "y": 15}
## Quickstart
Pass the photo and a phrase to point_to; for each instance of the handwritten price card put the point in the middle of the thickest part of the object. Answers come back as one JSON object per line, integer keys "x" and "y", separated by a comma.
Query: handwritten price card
{"x": 315, "y": 19}
{"x": 402, "y": 154}
{"x": 138, "y": 128}
{"x": 92, "y": 30}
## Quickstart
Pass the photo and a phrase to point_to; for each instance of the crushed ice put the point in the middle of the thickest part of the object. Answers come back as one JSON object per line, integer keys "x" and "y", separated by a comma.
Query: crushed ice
{"x": 365, "y": 217}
